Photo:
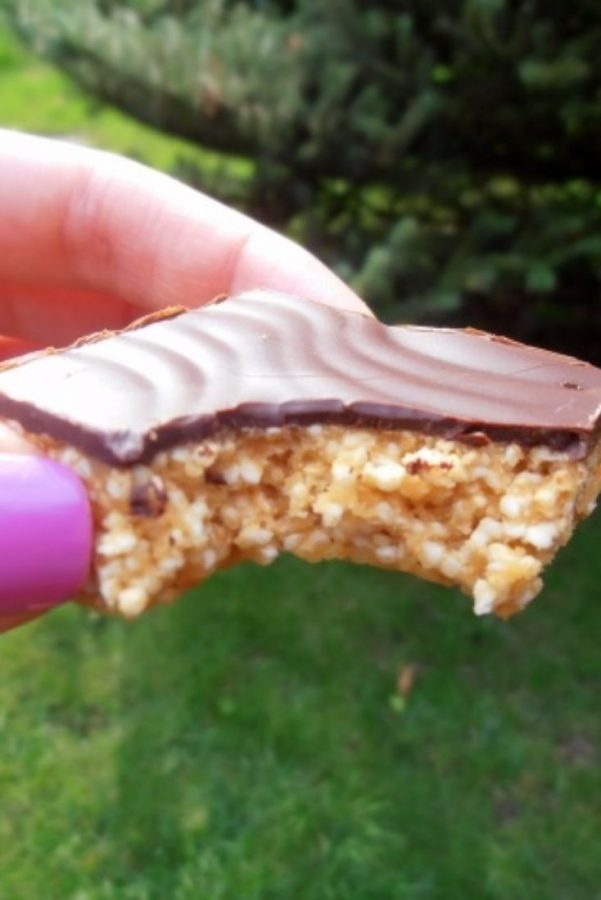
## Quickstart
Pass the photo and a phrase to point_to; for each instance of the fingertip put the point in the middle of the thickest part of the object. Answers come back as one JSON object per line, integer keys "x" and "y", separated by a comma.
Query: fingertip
{"x": 271, "y": 261}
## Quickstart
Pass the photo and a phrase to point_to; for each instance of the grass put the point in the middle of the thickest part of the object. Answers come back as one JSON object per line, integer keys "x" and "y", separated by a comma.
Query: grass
{"x": 251, "y": 743}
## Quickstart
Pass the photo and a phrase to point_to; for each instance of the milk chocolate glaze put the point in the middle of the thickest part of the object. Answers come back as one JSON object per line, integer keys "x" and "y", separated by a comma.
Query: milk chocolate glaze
{"x": 264, "y": 359}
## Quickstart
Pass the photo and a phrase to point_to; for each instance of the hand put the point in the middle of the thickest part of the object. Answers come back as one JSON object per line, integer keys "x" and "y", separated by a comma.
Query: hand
{"x": 90, "y": 240}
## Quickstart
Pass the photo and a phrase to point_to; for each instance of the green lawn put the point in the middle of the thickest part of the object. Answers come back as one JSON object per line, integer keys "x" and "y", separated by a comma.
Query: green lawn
{"x": 250, "y": 743}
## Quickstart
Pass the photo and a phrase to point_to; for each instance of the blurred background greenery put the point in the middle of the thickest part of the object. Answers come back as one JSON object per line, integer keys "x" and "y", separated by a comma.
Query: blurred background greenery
{"x": 443, "y": 156}
{"x": 329, "y": 733}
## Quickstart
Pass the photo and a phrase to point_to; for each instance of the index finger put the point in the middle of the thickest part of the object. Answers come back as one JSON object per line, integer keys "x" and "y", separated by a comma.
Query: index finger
{"x": 87, "y": 220}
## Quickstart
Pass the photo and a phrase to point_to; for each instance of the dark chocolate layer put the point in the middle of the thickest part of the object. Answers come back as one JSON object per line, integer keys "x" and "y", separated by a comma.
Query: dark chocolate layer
{"x": 266, "y": 359}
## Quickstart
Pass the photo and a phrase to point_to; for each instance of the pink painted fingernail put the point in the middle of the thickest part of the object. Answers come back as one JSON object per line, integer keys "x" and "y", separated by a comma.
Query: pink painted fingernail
{"x": 45, "y": 533}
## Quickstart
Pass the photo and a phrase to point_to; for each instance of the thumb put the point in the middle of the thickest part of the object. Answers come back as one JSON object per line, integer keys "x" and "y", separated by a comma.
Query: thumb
{"x": 45, "y": 531}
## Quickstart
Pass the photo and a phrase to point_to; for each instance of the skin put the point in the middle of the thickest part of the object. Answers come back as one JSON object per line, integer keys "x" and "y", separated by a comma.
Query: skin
{"x": 90, "y": 240}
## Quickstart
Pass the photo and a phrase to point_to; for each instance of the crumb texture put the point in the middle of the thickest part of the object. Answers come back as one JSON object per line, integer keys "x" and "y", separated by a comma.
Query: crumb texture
{"x": 486, "y": 519}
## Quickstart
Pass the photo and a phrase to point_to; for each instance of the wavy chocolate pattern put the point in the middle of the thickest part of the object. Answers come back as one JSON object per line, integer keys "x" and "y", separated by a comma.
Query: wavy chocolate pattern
{"x": 263, "y": 359}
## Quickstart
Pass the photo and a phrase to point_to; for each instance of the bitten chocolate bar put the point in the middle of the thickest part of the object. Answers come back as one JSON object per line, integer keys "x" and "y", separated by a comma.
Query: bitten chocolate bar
{"x": 263, "y": 424}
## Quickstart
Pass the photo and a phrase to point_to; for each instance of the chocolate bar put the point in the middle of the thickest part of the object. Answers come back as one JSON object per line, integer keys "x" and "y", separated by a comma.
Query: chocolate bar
{"x": 264, "y": 423}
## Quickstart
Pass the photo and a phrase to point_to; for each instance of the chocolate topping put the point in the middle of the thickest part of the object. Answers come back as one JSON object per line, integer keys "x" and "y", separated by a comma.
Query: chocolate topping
{"x": 266, "y": 359}
{"x": 148, "y": 499}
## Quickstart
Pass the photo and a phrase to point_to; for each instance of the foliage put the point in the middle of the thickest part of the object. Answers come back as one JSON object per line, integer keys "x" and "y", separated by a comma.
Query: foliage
{"x": 39, "y": 98}
{"x": 445, "y": 153}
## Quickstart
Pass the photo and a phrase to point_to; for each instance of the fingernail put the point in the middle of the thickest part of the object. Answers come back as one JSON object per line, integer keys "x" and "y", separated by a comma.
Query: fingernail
{"x": 45, "y": 533}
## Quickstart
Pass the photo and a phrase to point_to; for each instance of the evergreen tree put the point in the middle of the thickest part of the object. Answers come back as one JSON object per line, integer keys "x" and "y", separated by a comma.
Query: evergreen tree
{"x": 443, "y": 153}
